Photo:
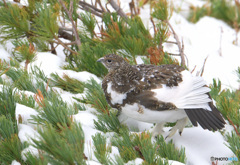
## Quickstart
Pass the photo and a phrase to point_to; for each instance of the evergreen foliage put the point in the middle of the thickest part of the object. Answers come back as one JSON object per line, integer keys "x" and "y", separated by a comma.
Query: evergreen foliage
{"x": 25, "y": 51}
{"x": 133, "y": 145}
{"x": 11, "y": 146}
{"x": 169, "y": 151}
{"x": 45, "y": 23}
{"x": 67, "y": 83}
{"x": 89, "y": 22}
{"x": 14, "y": 22}
{"x": 234, "y": 143}
{"x": 62, "y": 146}
{"x": 133, "y": 37}
{"x": 162, "y": 11}
{"x": 101, "y": 150}
{"x": 95, "y": 97}
{"x": 23, "y": 99}
{"x": 7, "y": 103}
{"x": 87, "y": 57}
{"x": 227, "y": 102}
{"x": 7, "y": 127}
{"x": 24, "y": 81}
{"x": 11, "y": 149}
{"x": 39, "y": 26}
{"x": 108, "y": 122}
{"x": 53, "y": 111}
{"x": 125, "y": 146}
{"x": 36, "y": 160}
{"x": 220, "y": 9}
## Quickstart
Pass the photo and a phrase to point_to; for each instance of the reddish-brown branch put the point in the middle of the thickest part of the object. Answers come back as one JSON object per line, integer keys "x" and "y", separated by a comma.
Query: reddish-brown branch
{"x": 231, "y": 122}
{"x": 5, "y": 4}
{"x": 65, "y": 46}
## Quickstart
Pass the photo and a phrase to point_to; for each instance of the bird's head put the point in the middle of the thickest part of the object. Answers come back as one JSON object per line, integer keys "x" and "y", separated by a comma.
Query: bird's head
{"x": 112, "y": 61}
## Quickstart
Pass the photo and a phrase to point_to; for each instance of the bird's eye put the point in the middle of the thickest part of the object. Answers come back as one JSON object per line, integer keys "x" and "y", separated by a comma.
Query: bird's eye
{"x": 109, "y": 61}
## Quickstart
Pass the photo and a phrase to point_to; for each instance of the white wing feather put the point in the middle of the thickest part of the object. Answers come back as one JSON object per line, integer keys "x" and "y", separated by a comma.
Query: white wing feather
{"x": 190, "y": 93}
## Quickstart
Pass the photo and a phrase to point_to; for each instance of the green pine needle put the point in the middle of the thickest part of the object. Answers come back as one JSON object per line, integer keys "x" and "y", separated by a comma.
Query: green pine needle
{"x": 7, "y": 102}
{"x": 66, "y": 83}
{"x": 63, "y": 146}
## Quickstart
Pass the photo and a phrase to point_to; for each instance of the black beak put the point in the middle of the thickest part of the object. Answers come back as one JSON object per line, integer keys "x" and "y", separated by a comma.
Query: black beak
{"x": 100, "y": 59}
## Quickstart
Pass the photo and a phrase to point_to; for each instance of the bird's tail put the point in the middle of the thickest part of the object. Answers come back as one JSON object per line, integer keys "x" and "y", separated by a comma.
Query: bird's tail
{"x": 211, "y": 120}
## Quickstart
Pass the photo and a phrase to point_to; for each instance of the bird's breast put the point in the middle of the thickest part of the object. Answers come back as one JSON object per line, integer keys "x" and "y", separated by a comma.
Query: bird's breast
{"x": 115, "y": 97}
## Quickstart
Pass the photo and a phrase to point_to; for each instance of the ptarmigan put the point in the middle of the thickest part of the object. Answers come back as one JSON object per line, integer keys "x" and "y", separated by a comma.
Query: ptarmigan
{"x": 159, "y": 94}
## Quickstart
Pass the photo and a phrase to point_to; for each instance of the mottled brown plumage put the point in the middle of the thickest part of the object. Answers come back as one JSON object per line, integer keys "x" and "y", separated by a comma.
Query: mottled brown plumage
{"x": 138, "y": 80}
{"x": 159, "y": 94}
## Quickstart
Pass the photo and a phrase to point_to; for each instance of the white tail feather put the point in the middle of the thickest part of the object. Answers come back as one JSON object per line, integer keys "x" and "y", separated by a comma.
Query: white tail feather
{"x": 189, "y": 94}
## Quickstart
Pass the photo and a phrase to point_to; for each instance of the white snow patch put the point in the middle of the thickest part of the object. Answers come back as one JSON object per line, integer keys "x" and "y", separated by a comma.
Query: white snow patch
{"x": 83, "y": 76}
{"x": 14, "y": 162}
{"x": 137, "y": 161}
{"x": 25, "y": 133}
{"x": 4, "y": 55}
{"x": 139, "y": 60}
{"x": 85, "y": 118}
{"x": 30, "y": 149}
{"x": 47, "y": 62}
{"x": 210, "y": 38}
{"x": 173, "y": 162}
{"x": 200, "y": 145}
{"x": 88, "y": 145}
{"x": 91, "y": 162}
{"x": 26, "y": 113}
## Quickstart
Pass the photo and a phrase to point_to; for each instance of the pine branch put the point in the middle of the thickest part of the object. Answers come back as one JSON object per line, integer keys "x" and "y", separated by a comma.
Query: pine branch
{"x": 101, "y": 151}
{"x": 63, "y": 146}
{"x": 54, "y": 111}
{"x": 7, "y": 102}
{"x": 92, "y": 9}
{"x": 118, "y": 9}
{"x": 67, "y": 83}
{"x": 74, "y": 26}
{"x": 62, "y": 33}
{"x": 180, "y": 46}
{"x": 231, "y": 122}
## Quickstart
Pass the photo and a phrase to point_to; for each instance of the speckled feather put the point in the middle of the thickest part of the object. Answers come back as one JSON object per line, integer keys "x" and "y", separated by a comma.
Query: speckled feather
{"x": 140, "y": 89}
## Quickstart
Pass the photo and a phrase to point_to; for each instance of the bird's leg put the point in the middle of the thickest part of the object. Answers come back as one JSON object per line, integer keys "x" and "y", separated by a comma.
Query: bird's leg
{"x": 157, "y": 130}
{"x": 179, "y": 126}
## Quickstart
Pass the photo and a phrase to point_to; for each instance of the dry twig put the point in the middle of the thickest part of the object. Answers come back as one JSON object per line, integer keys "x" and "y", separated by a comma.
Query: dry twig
{"x": 62, "y": 33}
{"x": 203, "y": 66}
{"x": 92, "y": 9}
{"x": 69, "y": 13}
{"x": 180, "y": 46}
{"x": 64, "y": 45}
{"x": 118, "y": 9}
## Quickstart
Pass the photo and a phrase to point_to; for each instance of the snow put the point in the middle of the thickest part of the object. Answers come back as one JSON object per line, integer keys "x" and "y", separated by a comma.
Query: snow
{"x": 25, "y": 112}
{"x": 200, "y": 145}
{"x": 209, "y": 39}
{"x": 25, "y": 133}
{"x": 212, "y": 39}
{"x": 4, "y": 55}
{"x": 85, "y": 118}
{"x": 14, "y": 162}
{"x": 48, "y": 62}
{"x": 83, "y": 76}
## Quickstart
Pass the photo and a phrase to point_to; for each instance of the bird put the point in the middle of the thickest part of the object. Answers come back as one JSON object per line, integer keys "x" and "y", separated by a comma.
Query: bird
{"x": 159, "y": 94}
